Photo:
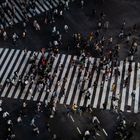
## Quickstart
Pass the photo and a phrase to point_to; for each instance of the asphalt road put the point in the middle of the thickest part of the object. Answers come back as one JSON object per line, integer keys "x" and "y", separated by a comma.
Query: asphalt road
{"x": 79, "y": 20}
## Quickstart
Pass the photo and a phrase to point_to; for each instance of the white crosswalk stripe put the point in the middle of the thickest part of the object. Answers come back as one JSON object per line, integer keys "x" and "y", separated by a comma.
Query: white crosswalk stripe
{"x": 63, "y": 67}
{"x": 18, "y": 16}
{"x": 124, "y": 88}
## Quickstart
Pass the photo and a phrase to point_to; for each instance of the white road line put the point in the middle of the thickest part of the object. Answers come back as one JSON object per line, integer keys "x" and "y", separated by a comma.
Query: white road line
{"x": 78, "y": 130}
{"x": 36, "y": 92}
{"x": 21, "y": 10}
{"x": 54, "y": 3}
{"x": 52, "y": 71}
{"x": 87, "y": 82}
{"x": 13, "y": 87}
{"x": 10, "y": 66}
{"x": 1, "y": 49}
{"x": 95, "y": 118}
{"x": 136, "y": 104}
{"x": 68, "y": 80}
{"x": 91, "y": 89}
{"x": 6, "y": 62}
{"x": 119, "y": 80}
{"x": 16, "y": 8}
{"x": 98, "y": 90}
{"x": 110, "y": 91}
{"x": 72, "y": 118}
{"x": 40, "y": 7}
{"x": 55, "y": 79}
{"x": 46, "y": 8}
{"x": 3, "y": 55}
{"x": 105, "y": 132}
{"x": 63, "y": 75}
{"x": 124, "y": 89}
{"x": 131, "y": 84}
{"x": 21, "y": 70}
{"x": 33, "y": 86}
{"x": 72, "y": 86}
{"x": 37, "y": 11}
{"x": 48, "y": 4}
{"x": 79, "y": 88}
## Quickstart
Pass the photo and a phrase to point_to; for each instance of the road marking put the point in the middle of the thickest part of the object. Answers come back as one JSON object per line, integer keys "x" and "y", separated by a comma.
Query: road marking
{"x": 105, "y": 132}
{"x": 95, "y": 118}
{"x": 78, "y": 130}
{"x": 72, "y": 118}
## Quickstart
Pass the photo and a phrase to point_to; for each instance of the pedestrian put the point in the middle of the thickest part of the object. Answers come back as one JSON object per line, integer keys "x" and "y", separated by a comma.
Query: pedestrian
{"x": 36, "y": 25}
{"x": 74, "y": 108}
{"x": 106, "y": 25}
{"x": 126, "y": 81}
{"x": 104, "y": 105}
{"x": 5, "y": 36}
{"x": 87, "y": 135}
{"x": 113, "y": 89}
{"x": 14, "y": 37}
{"x": 82, "y": 3}
{"x": 66, "y": 28}
{"x": 133, "y": 95}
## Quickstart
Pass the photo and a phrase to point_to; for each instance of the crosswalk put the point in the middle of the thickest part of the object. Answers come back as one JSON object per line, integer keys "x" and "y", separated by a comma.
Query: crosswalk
{"x": 12, "y": 60}
{"x": 41, "y": 6}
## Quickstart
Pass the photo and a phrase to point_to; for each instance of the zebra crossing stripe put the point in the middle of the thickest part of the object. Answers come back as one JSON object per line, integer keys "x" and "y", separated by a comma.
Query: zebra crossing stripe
{"x": 68, "y": 81}
{"x": 7, "y": 18}
{"x": 45, "y": 7}
{"x": 20, "y": 11}
{"x": 11, "y": 90}
{"x": 55, "y": 79}
{"x": 1, "y": 49}
{"x": 72, "y": 85}
{"x": 37, "y": 11}
{"x": 62, "y": 76}
{"x": 119, "y": 80}
{"x": 48, "y": 4}
{"x": 54, "y": 64}
{"x": 40, "y": 7}
{"x": 57, "y": 2}
{"x": 131, "y": 84}
{"x": 21, "y": 71}
{"x": 137, "y": 96}
{"x": 3, "y": 56}
{"x": 86, "y": 83}
{"x": 10, "y": 6}
{"x": 33, "y": 85}
{"x": 54, "y": 3}
{"x": 6, "y": 62}
{"x": 124, "y": 89}
{"x": 10, "y": 66}
{"x": 1, "y": 52}
{"x": 79, "y": 86}
{"x": 110, "y": 90}
{"x": 91, "y": 89}
{"x": 98, "y": 90}
{"x": 63, "y": 1}
{"x": 16, "y": 8}
{"x": 37, "y": 92}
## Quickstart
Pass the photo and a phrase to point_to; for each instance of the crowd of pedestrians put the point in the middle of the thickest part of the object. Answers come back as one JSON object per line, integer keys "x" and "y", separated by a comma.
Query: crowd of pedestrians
{"x": 95, "y": 41}
{"x": 33, "y": 116}
{"x": 105, "y": 47}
